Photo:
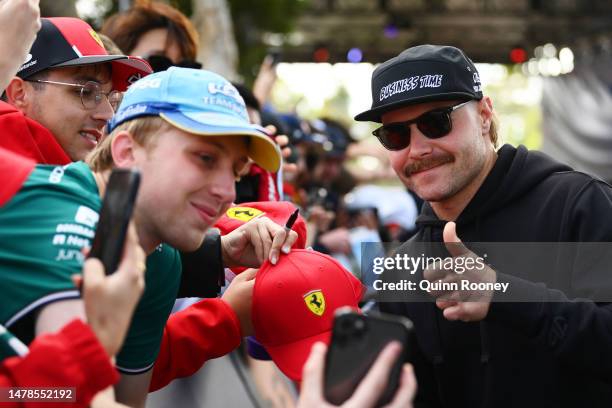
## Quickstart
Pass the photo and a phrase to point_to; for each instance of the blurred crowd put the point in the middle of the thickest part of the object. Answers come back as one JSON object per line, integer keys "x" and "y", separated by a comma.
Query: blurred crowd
{"x": 248, "y": 232}
{"x": 65, "y": 58}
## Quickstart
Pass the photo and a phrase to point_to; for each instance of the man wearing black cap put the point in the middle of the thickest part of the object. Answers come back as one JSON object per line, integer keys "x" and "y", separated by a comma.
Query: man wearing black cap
{"x": 64, "y": 93}
{"x": 544, "y": 348}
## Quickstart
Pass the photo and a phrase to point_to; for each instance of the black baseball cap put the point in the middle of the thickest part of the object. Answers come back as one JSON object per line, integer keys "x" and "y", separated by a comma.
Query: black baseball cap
{"x": 422, "y": 74}
{"x": 68, "y": 41}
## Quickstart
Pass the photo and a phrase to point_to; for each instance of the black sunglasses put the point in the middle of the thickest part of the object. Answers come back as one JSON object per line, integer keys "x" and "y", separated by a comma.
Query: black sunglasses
{"x": 161, "y": 63}
{"x": 433, "y": 124}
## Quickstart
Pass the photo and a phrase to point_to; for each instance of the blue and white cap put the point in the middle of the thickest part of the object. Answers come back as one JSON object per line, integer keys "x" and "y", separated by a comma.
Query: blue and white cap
{"x": 199, "y": 102}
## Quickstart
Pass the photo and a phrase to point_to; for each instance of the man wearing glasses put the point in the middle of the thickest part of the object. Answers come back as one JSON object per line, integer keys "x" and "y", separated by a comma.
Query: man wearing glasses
{"x": 68, "y": 86}
{"x": 537, "y": 344}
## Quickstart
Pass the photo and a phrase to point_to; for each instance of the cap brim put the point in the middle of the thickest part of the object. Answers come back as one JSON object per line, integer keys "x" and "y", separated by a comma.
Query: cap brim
{"x": 290, "y": 358}
{"x": 262, "y": 149}
{"x": 89, "y": 59}
{"x": 375, "y": 115}
{"x": 126, "y": 70}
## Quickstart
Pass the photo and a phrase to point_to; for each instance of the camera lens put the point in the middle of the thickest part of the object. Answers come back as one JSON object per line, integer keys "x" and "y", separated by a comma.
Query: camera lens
{"x": 359, "y": 325}
{"x": 346, "y": 326}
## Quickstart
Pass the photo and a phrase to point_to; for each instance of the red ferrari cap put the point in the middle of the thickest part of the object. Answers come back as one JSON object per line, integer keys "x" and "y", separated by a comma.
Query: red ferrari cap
{"x": 277, "y": 211}
{"x": 294, "y": 303}
{"x": 68, "y": 41}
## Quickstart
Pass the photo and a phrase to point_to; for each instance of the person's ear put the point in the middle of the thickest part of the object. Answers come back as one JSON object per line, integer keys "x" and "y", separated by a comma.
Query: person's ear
{"x": 18, "y": 93}
{"x": 123, "y": 149}
{"x": 486, "y": 114}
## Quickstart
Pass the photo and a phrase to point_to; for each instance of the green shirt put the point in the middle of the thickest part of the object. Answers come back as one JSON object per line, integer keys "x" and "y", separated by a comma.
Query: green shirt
{"x": 42, "y": 231}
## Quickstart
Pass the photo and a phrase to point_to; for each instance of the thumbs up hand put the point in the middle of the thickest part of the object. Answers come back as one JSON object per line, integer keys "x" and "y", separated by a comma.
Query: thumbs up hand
{"x": 460, "y": 282}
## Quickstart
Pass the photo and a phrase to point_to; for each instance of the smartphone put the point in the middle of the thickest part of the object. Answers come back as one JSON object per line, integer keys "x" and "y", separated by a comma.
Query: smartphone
{"x": 117, "y": 208}
{"x": 356, "y": 342}
{"x": 275, "y": 57}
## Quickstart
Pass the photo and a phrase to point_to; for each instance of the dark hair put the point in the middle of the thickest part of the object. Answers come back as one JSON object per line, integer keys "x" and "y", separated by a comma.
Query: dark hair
{"x": 249, "y": 98}
{"x": 270, "y": 118}
{"x": 126, "y": 28}
{"x": 39, "y": 76}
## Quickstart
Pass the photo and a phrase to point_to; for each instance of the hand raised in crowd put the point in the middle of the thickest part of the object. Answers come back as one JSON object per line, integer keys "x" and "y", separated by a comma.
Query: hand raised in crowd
{"x": 252, "y": 243}
{"x": 239, "y": 295}
{"x": 266, "y": 77}
{"x": 20, "y": 21}
{"x": 337, "y": 240}
{"x": 111, "y": 300}
{"x": 371, "y": 387}
{"x": 283, "y": 142}
{"x": 464, "y": 305}
{"x": 320, "y": 218}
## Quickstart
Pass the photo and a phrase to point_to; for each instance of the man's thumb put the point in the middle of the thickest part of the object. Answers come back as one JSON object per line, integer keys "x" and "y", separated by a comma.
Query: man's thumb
{"x": 452, "y": 241}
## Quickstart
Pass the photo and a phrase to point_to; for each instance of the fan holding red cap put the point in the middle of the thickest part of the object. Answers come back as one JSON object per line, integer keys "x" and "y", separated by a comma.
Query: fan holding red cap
{"x": 294, "y": 303}
{"x": 296, "y": 298}
{"x": 277, "y": 211}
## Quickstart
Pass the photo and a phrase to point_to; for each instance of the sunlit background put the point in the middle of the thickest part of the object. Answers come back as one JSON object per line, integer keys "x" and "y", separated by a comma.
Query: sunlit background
{"x": 330, "y": 48}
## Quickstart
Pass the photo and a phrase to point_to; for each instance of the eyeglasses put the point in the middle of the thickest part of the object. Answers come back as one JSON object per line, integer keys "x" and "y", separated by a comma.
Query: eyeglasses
{"x": 161, "y": 63}
{"x": 434, "y": 124}
{"x": 90, "y": 92}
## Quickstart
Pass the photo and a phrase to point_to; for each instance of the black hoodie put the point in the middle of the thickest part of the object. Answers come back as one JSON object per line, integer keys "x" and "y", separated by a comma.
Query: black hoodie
{"x": 551, "y": 352}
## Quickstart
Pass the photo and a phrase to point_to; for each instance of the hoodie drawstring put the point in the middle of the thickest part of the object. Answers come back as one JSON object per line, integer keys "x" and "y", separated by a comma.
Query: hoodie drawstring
{"x": 432, "y": 228}
{"x": 485, "y": 354}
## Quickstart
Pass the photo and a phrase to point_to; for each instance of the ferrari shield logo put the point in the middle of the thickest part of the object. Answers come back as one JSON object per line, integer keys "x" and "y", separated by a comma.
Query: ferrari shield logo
{"x": 315, "y": 301}
{"x": 243, "y": 214}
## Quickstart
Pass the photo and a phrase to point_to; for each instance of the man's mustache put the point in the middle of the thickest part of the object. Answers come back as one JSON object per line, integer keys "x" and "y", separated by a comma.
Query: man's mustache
{"x": 426, "y": 164}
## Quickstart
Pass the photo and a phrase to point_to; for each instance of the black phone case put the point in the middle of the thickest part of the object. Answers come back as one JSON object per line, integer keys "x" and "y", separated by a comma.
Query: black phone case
{"x": 276, "y": 57}
{"x": 357, "y": 340}
{"x": 117, "y": 208}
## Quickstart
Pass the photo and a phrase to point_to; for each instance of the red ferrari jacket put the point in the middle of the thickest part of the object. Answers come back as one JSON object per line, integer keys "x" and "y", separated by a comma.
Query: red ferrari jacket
{"x": 29, "y": 138}
{"x": 72, "y": 357}
{"x": 14, "y": 170}
{"x": 207, "y": 329}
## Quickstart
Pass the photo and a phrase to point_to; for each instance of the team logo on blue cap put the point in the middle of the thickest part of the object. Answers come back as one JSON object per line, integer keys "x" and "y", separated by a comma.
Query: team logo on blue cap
{"x": 223, "y": 88}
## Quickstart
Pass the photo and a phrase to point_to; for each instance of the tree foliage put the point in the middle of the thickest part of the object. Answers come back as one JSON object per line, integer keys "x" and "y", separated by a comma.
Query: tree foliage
{"x": 54, "y": 8}
{"x": 252, "y": 19}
